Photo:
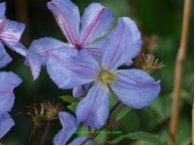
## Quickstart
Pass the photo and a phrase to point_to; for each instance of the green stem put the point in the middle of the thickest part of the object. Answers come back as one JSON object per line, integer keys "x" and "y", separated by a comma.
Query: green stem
{"x": 115, "y": 106}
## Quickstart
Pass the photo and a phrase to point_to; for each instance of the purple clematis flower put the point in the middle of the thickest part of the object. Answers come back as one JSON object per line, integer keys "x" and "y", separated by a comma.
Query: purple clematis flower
{"x": 133, "y": 87}
{"x": 10, "y": 34}
{"x": 70, "y": 125}
{"x": 95, "y": 23}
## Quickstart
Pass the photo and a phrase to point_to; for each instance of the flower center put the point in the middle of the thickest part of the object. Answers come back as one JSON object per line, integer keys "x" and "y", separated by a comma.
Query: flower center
{"x": 107, "y": 77}
{"x": 79, "y": 47}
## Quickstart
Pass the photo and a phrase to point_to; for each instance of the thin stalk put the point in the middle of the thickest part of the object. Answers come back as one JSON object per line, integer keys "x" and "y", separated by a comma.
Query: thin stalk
{"x": 115, "y": 106}
{"x": 179, "y": 70}
{"x": 46, "y": 132}
{"x": 84, "y": 141}
{"x": 32, "y": 133}
{"x": 89, "y": 129}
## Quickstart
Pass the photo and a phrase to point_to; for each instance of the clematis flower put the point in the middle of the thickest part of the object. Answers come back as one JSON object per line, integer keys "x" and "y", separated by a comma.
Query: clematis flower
{"x": 95, "y": 23}
{"x": 134, "y": 87}
{"x": 10, "y": 34}
{"x": 70, "y": 125}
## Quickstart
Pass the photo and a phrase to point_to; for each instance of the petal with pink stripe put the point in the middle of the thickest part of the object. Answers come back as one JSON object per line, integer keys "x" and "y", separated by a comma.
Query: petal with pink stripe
{"x": 71, "y": 71}
{"x": 43, "y": 46}
{"x": 12, "y": 32}
{"x": 93, "y": 110}
{"x": 96, "y": 22}
{"x": 68, "y": 18}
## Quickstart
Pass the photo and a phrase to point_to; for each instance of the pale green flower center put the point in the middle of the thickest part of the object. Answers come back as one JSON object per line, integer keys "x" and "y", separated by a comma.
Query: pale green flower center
{"x": 107, "y": 77}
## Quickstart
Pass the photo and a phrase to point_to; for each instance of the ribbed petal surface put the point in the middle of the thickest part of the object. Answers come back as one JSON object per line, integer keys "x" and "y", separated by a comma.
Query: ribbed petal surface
{"x": 68, "y": 18}
{"x": 71, "y": 71}
{"x": 69, "y": 123}
{"x": 8, "y": 81}
{"x": 94, "y": 108}
{"x": 96, "y": 22}
{"x": 122, "y": 44}
{"x": 136, "y": 88}
{"x": 2, "y": 10}
{"x": 4, "y": 57}
{"x": 11, "y": 32}
{"x": 6, "y": 122}
{"x": 43, "y": 46}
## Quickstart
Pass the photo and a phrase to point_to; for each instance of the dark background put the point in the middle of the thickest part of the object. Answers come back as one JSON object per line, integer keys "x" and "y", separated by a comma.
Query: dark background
{"x": 160, "y": 23}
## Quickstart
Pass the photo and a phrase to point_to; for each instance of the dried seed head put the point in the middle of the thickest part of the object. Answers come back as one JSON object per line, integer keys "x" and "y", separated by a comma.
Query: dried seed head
{"x": 43, "y": 112}
{"x": 150, "y": 64}
{"x": 37, "y": 112}
{"x": 52, "y": 110}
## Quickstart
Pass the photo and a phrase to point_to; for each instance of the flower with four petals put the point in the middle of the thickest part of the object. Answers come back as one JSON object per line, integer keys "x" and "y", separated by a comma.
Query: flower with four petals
{"x": 133, "y": 87}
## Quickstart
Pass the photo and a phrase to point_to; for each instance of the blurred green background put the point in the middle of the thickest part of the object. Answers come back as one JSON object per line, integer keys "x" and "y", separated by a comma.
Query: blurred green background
{"x": 160, "y": 23}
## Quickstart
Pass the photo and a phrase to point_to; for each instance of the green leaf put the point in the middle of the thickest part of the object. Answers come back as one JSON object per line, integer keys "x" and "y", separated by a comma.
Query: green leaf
{"x": 70, "y": 99}
{"x": 137, "y": 135}
{"x": 72, "y": 107}
{"x": 122, "y": 113}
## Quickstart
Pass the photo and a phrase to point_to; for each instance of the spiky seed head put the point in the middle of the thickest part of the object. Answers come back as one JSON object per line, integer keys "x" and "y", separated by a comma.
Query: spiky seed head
{"x": 52, "y": 110}
{"x": 43, "y": 112}
{"x": 150, "y": 64}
